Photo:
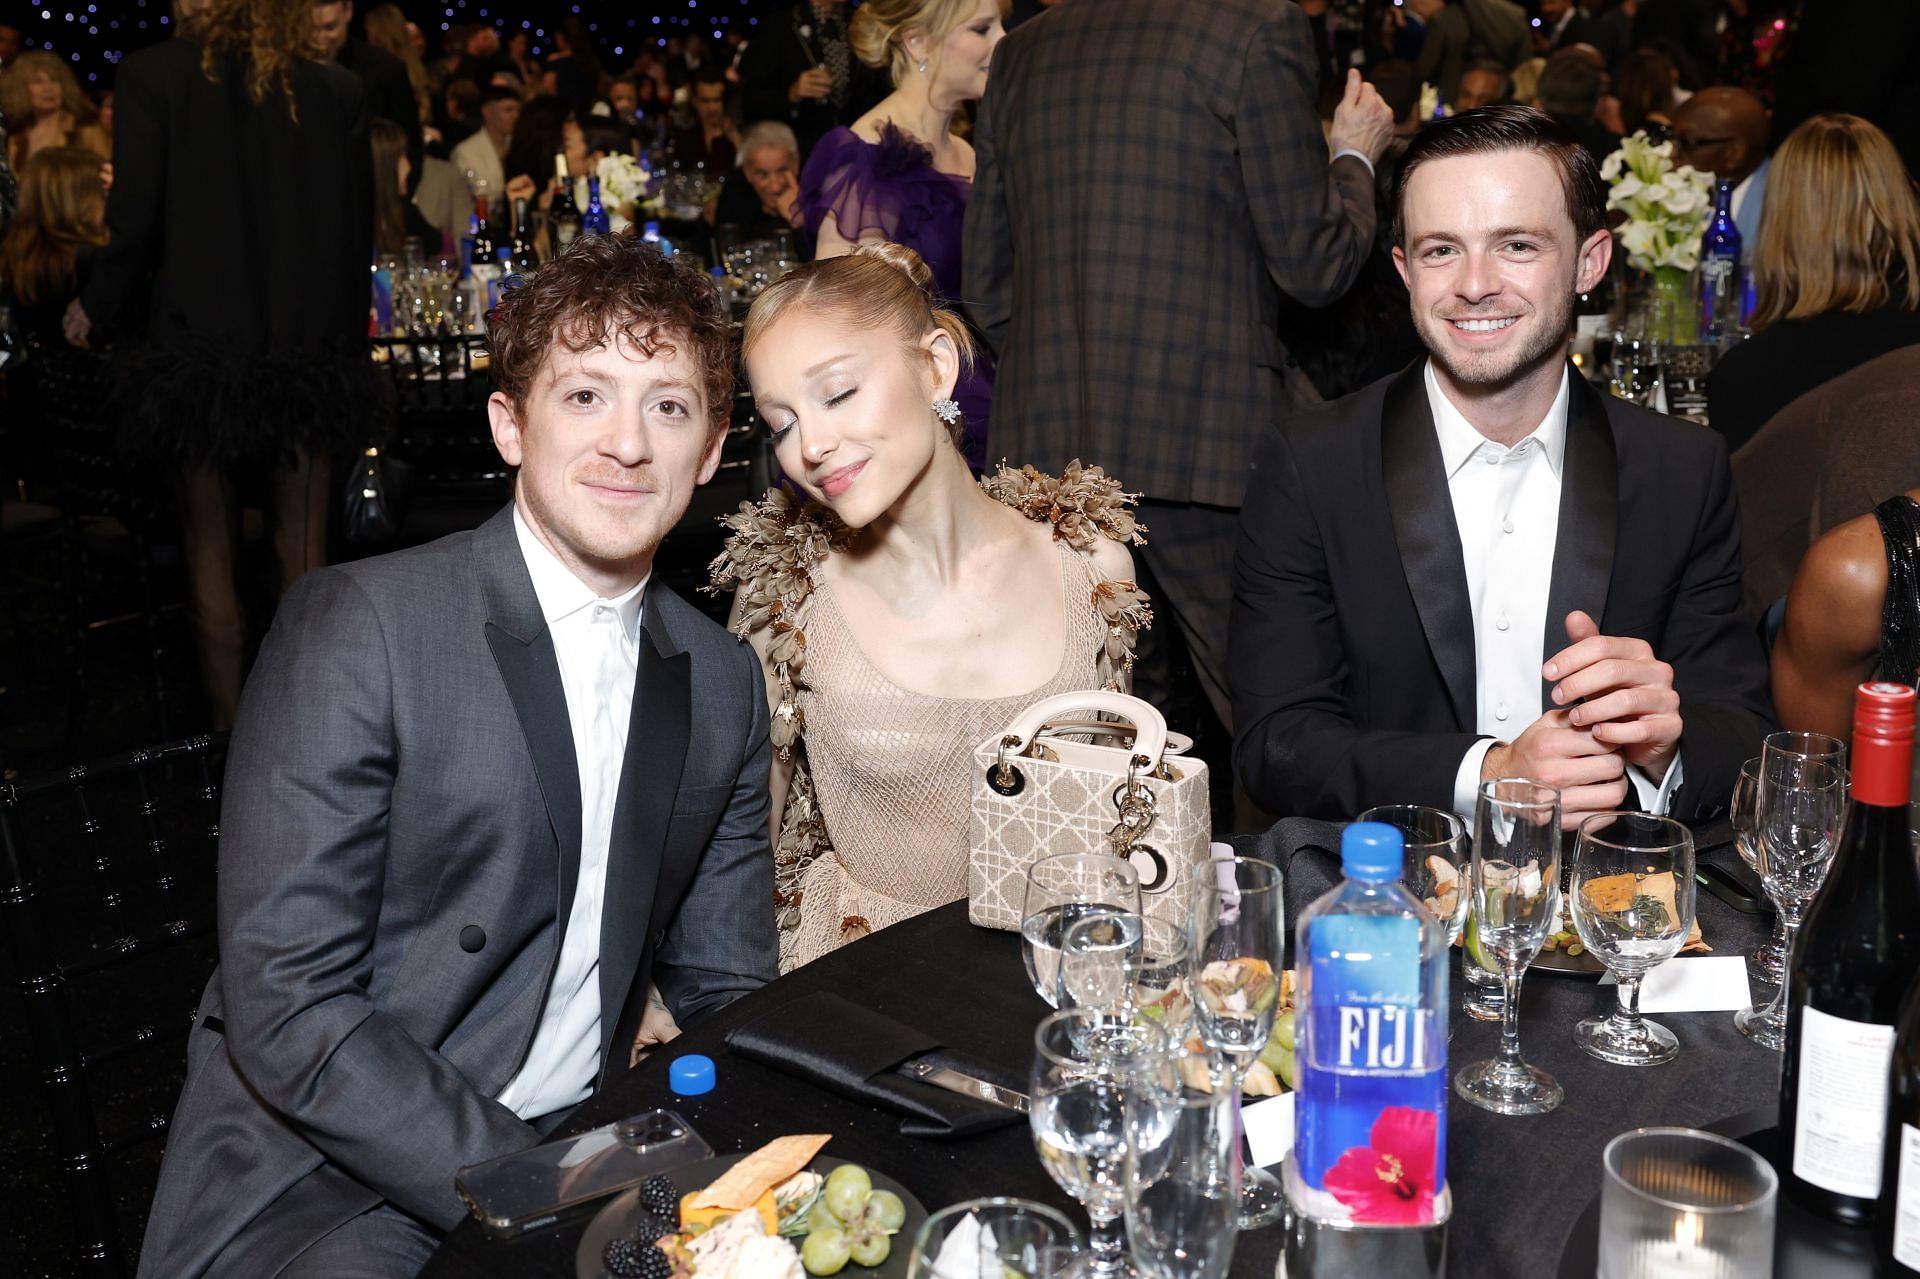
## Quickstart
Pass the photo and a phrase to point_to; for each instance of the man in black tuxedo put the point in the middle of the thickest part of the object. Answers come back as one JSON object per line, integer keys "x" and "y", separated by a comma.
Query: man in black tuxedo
{"x": 389, "y": 93}
{"x": 1481, "y": 567}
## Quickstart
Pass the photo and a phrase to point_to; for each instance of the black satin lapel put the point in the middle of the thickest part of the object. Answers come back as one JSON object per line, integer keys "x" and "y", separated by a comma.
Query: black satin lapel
{"x": 657, "y": 737}
{"x": 532, "y": 676}
{"x": 1589, "y": 518}
{"x": 1423, "y": 525}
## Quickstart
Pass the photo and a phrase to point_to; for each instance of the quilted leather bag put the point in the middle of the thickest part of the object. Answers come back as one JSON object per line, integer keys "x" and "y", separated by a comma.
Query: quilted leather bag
{"x": 1039, "y": 790}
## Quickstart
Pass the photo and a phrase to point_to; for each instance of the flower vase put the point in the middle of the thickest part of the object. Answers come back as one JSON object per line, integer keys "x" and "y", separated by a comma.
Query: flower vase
{"x": 1674, "y": 309}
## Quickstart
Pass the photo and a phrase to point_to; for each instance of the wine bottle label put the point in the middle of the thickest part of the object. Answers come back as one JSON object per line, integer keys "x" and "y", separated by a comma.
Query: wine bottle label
{"x": 1906, "y": 1205}
{"x": 1841, "y": 1117}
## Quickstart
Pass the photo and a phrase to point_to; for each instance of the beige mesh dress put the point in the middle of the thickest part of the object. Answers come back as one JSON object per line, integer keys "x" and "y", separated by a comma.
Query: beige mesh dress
{"x": 875, "y": 828}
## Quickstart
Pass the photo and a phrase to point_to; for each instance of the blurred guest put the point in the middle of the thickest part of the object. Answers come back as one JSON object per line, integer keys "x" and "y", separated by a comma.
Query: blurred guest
{"x": 10, "y": 43}
{"x": 515, "y": 52}
{"x": 461, "y": 114}
{"x": 1570, "y": 87}
{"x": 1686, "y": 30}
{"x": 539, "y": 134}
{"x": 713, "y": 139}
{"x": 936, "y": 608}
{"x": 899, "y": 173}
{"x": 48, "y": 250}
{"x": 396, "y": 218}
{"x": 1860, "y": 58}
{"x": 389, "y": 31}
{"x": 483, "y": 156}
{"x": 1836, "y": 272}
{"x": 760, "y": 197}
{"x": 1481, "y": 85}
{"x": 9, "y": 186}
{"x": 389, "y": 91}
{"x": 800, "y": 68}
{"x": 1723, "y": 131}
{"x": 256, "y": 301}
{"x": 1644, "y": 89}
{"x": 1755, "y": 39}
{"x": 1557, "y": 17}
{"x": 1605, "y": 26}
{"x": 441, "y": 195}
{"x": 1526, "y": 80}
{"x": 1462, "y": 31}
{"x": 44, "y": 107}
{"x": 1097, "y": 362}
{"x": 480, "y": 56}
{"x": 571, "y": 62}
{"x": 623, "y": 95}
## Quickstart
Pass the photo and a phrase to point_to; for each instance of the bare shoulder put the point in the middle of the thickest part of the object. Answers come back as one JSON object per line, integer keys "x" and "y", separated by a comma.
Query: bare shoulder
{"x": 1840, "y": 586}
{"x": 1112, "y": 559}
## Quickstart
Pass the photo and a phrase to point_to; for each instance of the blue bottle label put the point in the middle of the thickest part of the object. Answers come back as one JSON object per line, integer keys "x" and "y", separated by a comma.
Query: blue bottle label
{"x": 1370, "y": 1142}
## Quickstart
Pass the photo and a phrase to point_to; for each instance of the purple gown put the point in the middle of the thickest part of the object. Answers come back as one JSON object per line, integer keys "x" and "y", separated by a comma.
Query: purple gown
{"x": 894, "y": 189}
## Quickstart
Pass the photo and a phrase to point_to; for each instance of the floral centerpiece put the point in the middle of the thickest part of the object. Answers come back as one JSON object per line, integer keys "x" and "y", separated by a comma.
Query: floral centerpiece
{"x": 1667, "y": 212}
{"x": 623, "y": 188}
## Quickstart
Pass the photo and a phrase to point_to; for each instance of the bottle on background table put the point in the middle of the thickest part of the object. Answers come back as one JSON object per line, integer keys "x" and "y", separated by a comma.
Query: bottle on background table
{"x": 1851, "y": 966}
{"x": 564, "y": 215}
{"x": 519, "y": 258}
{"x": 595, "y": 220}
{"x": 1720, "y": 278}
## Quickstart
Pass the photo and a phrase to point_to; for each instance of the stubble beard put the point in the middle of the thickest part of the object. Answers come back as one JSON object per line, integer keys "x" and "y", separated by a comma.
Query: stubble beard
{"x": 1494, "y": 369}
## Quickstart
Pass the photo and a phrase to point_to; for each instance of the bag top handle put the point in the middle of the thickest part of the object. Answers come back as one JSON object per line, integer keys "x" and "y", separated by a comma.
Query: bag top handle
{"x": 1149, "y": 725}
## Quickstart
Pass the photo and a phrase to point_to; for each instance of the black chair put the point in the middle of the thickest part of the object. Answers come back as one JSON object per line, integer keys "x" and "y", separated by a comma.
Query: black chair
{"x": 108, "y": 917}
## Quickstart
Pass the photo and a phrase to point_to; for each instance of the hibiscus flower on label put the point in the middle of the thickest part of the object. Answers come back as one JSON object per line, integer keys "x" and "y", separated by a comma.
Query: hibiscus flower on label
{"x": 1389, "y": 1181}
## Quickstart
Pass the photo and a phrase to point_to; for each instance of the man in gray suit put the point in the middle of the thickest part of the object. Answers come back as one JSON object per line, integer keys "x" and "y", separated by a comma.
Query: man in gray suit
{"x": 473, "y": 815}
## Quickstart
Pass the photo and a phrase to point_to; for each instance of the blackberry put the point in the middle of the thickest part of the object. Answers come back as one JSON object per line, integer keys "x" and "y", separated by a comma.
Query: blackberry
{"x": 626, "y": 1258}
{"x": 661, "y": 1197}
{"x": 648, "y": 1227}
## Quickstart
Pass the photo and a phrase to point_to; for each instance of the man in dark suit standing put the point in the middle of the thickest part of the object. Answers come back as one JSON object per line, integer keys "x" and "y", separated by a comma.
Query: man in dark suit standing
{"x": 1150, "y": 179}
{"x": 1481, "y": 567}
{"x": 798, "y": 69}
{"x": 473, "y": 816}
{"x": 389, "y": 92}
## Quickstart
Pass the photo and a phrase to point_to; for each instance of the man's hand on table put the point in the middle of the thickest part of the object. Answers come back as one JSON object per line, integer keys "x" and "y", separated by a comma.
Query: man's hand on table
{"x": 657, "y": 1027}
{"x": 1620, "y": 691}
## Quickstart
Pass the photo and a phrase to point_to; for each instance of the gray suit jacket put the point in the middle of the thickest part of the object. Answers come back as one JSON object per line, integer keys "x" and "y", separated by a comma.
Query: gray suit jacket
{"x": 399, "y": 846}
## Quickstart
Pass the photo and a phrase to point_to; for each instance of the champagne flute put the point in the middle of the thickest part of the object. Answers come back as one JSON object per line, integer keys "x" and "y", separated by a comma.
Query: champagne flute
{"x": 1801, "y": 799}
{"x": 1631, "y": 898}
{"x": 1061, "y": 890}
{"x": 1237, "y": 956}
{"x": 1516, "y": 901}
{"x": 1183, "y": 1193}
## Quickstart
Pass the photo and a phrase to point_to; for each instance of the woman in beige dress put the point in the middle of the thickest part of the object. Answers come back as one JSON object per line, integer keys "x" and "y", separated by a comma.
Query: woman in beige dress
{"x": 904, "y": 610}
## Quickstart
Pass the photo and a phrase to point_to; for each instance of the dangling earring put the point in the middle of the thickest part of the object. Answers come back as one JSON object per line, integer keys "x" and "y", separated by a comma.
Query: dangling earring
{"x": 923, "y": 66}
{"x": 947, "y": 409}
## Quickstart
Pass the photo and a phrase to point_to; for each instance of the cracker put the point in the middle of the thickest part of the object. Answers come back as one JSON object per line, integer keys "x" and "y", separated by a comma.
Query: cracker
{"x": 761, "y": 1171}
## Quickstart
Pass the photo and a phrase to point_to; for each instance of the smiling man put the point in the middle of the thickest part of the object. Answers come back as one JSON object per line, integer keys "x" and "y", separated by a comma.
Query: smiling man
{"x": 482, "y": 797}
{"x": 1481, "y": 567}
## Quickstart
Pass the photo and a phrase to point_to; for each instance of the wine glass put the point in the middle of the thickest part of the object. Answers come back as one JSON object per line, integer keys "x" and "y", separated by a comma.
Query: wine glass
{"x": 1098, "y": 957}
{"x": 990, "y": 1238}
{"x": 1183, "y": 1183}
{"x": 1083, "y": 1062}
{"x": 1061, "y": 890}
{"x": 1438, "y": 862}
{"x": 1516, "y": 902}
{"x": 1801, "y": 798}
{"x": 1767, "y": 965}
{"x": 1160, "y": 974}
{"x": 1631, "y": 897}
{"x": 1235, "y": 984}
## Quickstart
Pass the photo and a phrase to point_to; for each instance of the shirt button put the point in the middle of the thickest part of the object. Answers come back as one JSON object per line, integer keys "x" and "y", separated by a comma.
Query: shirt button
{"x": 1500, "y": 711}
{"x": 1491, "y": 458}
{"x": 1500, "y": 622}
{"x": 1506, "y": 526}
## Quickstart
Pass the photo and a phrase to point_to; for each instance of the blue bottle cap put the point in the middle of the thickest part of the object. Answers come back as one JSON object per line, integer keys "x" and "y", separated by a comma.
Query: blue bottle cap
{"x": 1371, "y": 851}
{"x": 692, "y": 1075}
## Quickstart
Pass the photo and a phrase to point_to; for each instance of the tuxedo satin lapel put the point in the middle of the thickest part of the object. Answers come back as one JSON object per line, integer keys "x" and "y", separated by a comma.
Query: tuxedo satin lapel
{"x": 657, "y": 737}
{"x": 1589, "y": 517}
{"x": 1423, "y": 525}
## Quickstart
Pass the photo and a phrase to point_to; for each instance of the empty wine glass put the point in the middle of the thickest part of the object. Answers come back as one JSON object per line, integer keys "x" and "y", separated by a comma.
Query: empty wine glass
{"x": 1516, "y": 902}
{"x": 1438, "y": 861}
{"x": 1235, "y": 984}
{"x": 1083, "y": 1063}
{"x": 1183, "y": 1185}
{"x": 1802, "y": 796}
{"x": 991, "y": 1238}
{"x": 1160, "y": 975}
{"x": 1767, "y": 965}
{"x": 1631, "y": 897}
{"x": 1061, "y": 890}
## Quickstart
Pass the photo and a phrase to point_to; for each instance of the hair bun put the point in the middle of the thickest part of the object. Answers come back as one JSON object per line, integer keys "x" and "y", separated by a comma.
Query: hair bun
{"x": 870, "y": 36}
{"x": 904, "y": 260}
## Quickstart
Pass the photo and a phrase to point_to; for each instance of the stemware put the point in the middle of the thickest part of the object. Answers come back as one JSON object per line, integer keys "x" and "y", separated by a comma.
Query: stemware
{"x": 1238, "y": 949}
{"x": 1767, "y": 965}
{"x": 1060, "y": 891}
{"x": 1438, "y": 870}
{"x": 1631, "y": 895}
{"x": 990, "y": 1238}
{"x": 1083, "y": 1063}
{"x": 1802, "y": 796}
{"x": 1183, "y": 1193}
{"x": 1160, "y": 973}
{"x": 1516, "y": 901}
{"x": 1098, "y": 958}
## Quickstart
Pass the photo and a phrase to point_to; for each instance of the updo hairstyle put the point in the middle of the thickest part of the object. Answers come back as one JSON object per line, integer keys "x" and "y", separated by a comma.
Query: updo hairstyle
{"x": 878, "y": 30}
{"x": 876, "y": 286}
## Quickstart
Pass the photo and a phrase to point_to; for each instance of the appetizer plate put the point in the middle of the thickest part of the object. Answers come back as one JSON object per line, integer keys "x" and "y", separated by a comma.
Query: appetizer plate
{"x": 617, "y": 1218}
{"x": 1559, "y": 961}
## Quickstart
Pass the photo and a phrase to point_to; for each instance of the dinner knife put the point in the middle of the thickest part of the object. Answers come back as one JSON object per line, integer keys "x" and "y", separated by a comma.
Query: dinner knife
{"x": 964, "y": 1084}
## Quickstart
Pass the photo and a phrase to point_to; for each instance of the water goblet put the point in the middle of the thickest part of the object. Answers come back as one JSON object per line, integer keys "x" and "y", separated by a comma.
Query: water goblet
{"x": 1183, "y": 1183}
{"x": 1098, "y": 957}
{"x": 1516, "y": 902}
{"x": 1235, "y": 984}
{"x": 1631, "y": 896}
{"x": 1767, "y": 965}
{"x": 1060, "y": 891}
{"x": 989, "y": 1238}
{"x": 1801, "y": 798}
{"x": 1083, "y": 1063}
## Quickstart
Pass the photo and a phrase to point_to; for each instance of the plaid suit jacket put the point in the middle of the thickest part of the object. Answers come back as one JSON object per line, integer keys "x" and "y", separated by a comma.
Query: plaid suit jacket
{"x": 1151, "y": 177}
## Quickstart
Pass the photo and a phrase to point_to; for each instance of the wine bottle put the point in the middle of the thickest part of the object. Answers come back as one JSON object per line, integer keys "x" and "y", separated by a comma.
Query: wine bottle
{"x": 564, "y": 216}
{"x": 595, "y": 220}
{"x": 1897, "y": 1219}
{"x": 1855, "y": 956}
{"x": 520, "y": 258}
{"x": 1720, "y": 252}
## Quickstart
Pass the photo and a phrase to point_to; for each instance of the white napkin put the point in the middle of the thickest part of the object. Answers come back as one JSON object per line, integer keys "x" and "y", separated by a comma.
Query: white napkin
{"x": 1702, "y": 984}
{"x": 1268, "y": 1124}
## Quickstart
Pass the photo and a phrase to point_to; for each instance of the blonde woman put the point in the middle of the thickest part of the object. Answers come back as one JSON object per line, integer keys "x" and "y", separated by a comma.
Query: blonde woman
{"x": 903, "y": 611}
{"x": 1836, "y": 274}
{"x": 899, "y": 173}
{"x": 49, "y": 248}
{"x": 45, "y": 107}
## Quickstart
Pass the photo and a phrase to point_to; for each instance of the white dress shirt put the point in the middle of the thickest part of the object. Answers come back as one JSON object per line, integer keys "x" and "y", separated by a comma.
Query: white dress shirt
{"x": 477, "y": 157}
{"x": 1506, "y": 508}
{"x": 596, "y": 642}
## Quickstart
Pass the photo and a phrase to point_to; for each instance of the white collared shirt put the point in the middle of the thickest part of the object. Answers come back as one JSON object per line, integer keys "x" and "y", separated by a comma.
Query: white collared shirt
{"x": 1506, "y": 509}
{"x": 596, "y": 642}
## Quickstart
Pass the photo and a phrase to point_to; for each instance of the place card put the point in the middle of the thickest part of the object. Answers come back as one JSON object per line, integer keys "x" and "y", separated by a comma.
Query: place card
{"x": 1702, "y": 984}
{"x": 1268, "y": 1124}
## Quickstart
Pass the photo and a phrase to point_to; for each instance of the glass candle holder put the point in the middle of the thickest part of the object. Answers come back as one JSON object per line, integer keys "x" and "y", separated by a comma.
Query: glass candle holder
{"x": 1683, "y": 1204}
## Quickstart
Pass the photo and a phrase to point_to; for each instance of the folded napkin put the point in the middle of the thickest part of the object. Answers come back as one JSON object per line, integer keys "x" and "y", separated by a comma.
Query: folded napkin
{"x": 845, "y": 1048}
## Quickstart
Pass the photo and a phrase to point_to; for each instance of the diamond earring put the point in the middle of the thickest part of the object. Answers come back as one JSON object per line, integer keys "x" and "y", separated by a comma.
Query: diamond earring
{"x": 948, "y": 410}
{"x": 923, "y": 66}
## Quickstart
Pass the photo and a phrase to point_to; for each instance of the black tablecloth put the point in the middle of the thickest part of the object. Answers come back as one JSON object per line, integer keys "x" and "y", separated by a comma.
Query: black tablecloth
{"x": 1518, "y": 1183}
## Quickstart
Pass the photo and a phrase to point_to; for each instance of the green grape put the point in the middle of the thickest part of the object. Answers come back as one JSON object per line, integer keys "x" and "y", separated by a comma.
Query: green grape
{"x": 819, "y": 1216}
{"x": 885, "y": 1211}
{"x": 825, "y": 1251}
{"x": 1289, "y": 1071}
{"x": 871, "y": 1249}
{"x": 847, "y": 1189}
{"x": 1283, "y": 1030}
{"x": 1272, "y": 1054}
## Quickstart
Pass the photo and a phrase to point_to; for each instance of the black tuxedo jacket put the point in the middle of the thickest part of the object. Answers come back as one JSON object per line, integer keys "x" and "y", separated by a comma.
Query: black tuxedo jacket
{"x": 1351, "y": 653}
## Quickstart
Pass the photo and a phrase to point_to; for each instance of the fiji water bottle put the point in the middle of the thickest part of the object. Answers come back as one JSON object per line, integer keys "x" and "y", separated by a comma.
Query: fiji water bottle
{"x": 1367, "y": 1179}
